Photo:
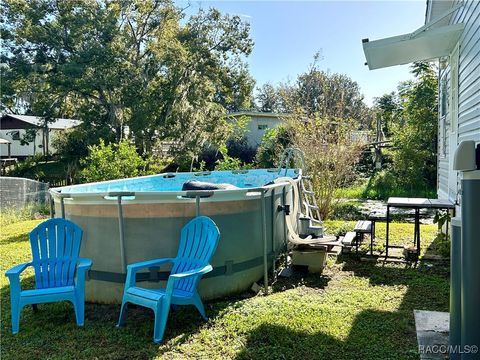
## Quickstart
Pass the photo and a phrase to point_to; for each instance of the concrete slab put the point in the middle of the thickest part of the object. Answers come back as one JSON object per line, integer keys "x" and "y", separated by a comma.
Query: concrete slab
{"x": 432, "y": 333}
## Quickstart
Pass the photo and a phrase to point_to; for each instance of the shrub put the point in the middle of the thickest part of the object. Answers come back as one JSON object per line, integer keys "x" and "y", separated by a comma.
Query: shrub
{"x": 330, "y": 155}
{"x": 346, "y": 211}
{"x": 239, "y": 148}
{"x": 228, "y": 162}
{"x": 28, "y": 168}
{"x": 112, "y": 161}
{"x": 273, "y": 144}
{"x": 387, "y": 183}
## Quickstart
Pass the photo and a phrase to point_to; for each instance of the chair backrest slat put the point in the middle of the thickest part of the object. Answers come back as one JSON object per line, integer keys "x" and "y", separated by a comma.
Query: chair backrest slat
{"x": 198, "y": 241}
{"x": 61, "y": 236}
{"x": 55, "y": 249}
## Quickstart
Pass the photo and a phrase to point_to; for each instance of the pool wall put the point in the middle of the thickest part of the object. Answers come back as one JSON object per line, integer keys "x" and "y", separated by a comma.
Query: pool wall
{"x": 151, "y": 229}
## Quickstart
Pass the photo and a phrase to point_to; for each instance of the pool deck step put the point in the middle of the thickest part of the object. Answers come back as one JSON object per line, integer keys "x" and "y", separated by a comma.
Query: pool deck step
{"x": 363, "y": 226}
{"x": 349, "y": 238}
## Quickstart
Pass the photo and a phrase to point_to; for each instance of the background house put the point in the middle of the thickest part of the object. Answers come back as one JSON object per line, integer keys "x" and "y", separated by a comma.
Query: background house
{"x": 14, "y": 128}
{"x": 451, "y": 34}
{"x": 259, "y": 123}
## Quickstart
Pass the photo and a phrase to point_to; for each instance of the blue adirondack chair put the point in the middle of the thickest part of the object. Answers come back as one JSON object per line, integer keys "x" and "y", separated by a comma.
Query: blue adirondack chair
{"x": 198, "y": 241}
{"x": 55, "y": 248}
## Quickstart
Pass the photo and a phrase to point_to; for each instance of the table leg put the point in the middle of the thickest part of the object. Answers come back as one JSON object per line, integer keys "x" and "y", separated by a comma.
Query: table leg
{"x": 417, "y": 220}
{"x": 446, "y": 230}
{"x": 387, "y": 231}
{"x": 415, "y": 228}
{"x": 372, "y": 234}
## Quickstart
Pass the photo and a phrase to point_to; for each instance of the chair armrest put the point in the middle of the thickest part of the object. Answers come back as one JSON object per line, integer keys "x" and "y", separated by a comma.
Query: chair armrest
{"x": 172, "y": 279}
{"x": 13, "y": 275}
{"x": 17, "y": 269}
{"x": 199, "y": 271}
{"x": 146, "y": 264}
{"x": 133, "y": 268}
{"x": 84, "y": 264}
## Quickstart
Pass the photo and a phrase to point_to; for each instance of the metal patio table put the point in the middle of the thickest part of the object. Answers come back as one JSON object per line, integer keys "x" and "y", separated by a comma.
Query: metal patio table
{"x": 416, "y": 204}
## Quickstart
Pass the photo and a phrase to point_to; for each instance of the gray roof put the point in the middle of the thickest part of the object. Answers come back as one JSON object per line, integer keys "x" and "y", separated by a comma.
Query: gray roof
{"x": 38, "y": 121}
{"x": 271, "y": 115}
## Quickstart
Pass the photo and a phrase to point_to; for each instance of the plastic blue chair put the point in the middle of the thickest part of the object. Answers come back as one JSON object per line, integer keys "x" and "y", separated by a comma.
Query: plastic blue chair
{"x": 198, "y": 241}
{"x": 55, "y": 248}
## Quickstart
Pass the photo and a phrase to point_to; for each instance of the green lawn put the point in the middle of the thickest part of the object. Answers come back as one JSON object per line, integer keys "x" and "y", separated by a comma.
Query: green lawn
{"x": 366, "y": 188}
{"x": 355, "y": 310}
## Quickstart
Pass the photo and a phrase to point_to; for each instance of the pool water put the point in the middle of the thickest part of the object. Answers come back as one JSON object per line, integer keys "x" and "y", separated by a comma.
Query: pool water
{"x": 174, "y": 181}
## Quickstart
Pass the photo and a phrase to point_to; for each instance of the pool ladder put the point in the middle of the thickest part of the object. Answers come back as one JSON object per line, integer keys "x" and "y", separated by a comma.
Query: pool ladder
{"x": 309, "y": 202}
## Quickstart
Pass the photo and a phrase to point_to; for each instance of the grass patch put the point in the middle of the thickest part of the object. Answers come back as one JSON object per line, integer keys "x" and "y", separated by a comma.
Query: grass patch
{"x": 354, "y": 310}
{"x": 381, "y": 187}
{"x": 400, "y": 234}
{"x": 13, "y": 215}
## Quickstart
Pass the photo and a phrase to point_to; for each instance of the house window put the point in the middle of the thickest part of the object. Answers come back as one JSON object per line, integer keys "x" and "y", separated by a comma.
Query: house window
{"x": 15, "y": 135}
{"x": 262, "y": 126}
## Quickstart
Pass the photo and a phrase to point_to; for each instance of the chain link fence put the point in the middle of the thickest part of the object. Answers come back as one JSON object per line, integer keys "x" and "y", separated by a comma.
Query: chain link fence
{"x": 20, "y": 193}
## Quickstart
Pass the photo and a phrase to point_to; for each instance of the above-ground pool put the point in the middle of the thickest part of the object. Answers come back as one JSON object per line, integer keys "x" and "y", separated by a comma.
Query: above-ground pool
{"x": 131, "y": 220}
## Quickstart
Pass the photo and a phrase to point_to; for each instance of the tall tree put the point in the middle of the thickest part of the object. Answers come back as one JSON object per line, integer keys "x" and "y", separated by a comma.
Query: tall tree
{"x": 268, "y": 98}
{"x": 117, "y": 63}
{"x": 415, "y": 137}
{"x": 318, "y": 93}
{"x": 388, "y": 107}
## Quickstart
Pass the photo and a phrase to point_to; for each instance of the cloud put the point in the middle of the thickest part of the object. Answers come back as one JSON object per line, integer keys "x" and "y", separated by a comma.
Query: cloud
{"x": 244, "y": 16}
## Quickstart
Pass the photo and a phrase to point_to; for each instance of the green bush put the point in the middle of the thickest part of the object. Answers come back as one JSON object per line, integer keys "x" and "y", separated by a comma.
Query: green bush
{"x": 239, "y": 148}
{"x": 228, "y": 162}
{"x": 29, "y": 168}
{"x": 386, "y": 183}
{"x": 346, "y": 211}
{"x": 273, "y": 144}
{"x": 112, "y": 161}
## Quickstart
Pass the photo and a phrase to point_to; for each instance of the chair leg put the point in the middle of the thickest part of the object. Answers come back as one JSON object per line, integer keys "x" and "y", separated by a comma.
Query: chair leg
{"x": 79, "y": 306}
{"x": 199, "y": 305}
{"x": 121, "y": 318}
{"x": 16, "y": 311}
{"x": 161, "y": 316}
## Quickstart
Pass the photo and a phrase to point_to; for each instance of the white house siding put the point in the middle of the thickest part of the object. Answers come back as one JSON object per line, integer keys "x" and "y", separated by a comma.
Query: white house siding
{"x": 255, "y": 134}
{"x": 258, "y": 124}
{"x": 469, "y": 72}
{"x": 468, "y": 125}
{"x": 36, "y": 147}
{"x": 443, "y": 144}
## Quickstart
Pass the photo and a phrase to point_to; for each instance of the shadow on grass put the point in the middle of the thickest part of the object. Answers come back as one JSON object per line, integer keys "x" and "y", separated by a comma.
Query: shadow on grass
{"x": 373, "y": 335}
{"x": 428, "y": 286}
{"x": 14, "y": 239}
